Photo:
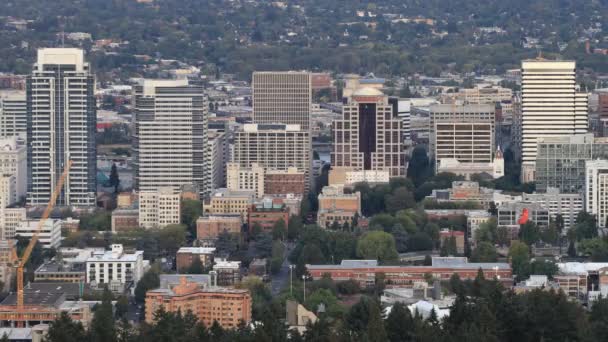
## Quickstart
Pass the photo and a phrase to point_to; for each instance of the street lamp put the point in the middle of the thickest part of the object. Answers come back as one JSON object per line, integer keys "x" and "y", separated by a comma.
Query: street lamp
{"x": 304, "y": 279}
{"x": 291, "y": 279}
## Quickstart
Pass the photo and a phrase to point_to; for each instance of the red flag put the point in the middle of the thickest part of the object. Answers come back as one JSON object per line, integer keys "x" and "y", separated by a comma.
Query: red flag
{"x": 524, "y": 216}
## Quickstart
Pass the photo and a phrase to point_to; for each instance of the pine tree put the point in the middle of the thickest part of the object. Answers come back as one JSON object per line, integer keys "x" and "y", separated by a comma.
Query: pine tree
{"x": 399, "y": 324}
{"x": 63, "y": 329}
{"x": 102, "y": 325}
{"x": 114, "y": 178}
{"x": 375, "y": 325}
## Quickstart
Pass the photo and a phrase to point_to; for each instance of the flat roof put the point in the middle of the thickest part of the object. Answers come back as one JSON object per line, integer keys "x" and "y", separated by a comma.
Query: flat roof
{"x": 197, "y": 250}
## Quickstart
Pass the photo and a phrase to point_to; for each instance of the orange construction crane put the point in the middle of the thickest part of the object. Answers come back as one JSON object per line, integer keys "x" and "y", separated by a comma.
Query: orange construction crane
{"x": 30, "y": 247}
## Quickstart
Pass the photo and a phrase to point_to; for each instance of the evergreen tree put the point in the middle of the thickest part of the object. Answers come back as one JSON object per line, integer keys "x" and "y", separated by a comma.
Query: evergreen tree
{"x": 102, "y": 326}
{"x": 375, "y": 324}
{"x": 4, "y": 338}
{"x": 196, "y": 267}
{"x": 399, "y": 324}
{"x": 114, "y": 178}
{"x": 598, "y": 318}
{"x": 63, "y": 329}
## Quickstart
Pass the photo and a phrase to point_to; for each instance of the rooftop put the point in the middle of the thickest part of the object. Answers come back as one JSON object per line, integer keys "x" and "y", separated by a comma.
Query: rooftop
{"x": 197, "y": 250}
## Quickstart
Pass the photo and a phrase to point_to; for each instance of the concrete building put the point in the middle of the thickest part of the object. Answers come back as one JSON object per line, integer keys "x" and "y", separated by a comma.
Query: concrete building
{"x": 10, "y": 218}
{"x": 115, "y": 268}
{"x": 13, "y": 162}
{"x": 170, "y": 142}
{"x": 185, "y": 257}
{"x": 402, "y": 110}
{"x": 245, "y": 178}
{"x": 219, "y": 155}
{"x": 298, "y": 317}
{"x": 282, "y": 97}
{"x": 368, "y": 137}
{"x": 228, "y": 272}
{"x": 566, "y": 205}
{"x": 596, "y": 190}
{"x": 125, "y": 219}
{"x": 61, "y": 125}
{"x": 266, "y": 214}
{"x": 560, "y": 161}
{"x": 364, "y": 271}
{"x": 336, "y": 206}
{"x": 551, "y": 105}
{"x": 13, "y": 114}
{"x": 226, "y": 306}
{"x": 509, "y": 215}
{"x": 346, "y": 177}
{"x": 209, "y": 227}
{"x": 227, "y": 202}
{"x": 159, "y": 208}
{"x": 474, "y": 219}
{"x": 50, "y": 234}
{"x": 464, "y": 141}
{"x": 488, "y": 95}
{"x": 255, "y": 178}
{"x": 274, "y": 146}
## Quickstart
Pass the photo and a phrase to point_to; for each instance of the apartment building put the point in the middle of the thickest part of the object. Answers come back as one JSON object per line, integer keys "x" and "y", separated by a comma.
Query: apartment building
{"x": 159, "y": 208}
{"x": 115, "y": 267}
{"x": 596, "y": 190}
{"x": 209, "y": 227}
{"x": 228, "y": 202}
{"x": 13, "y": 114}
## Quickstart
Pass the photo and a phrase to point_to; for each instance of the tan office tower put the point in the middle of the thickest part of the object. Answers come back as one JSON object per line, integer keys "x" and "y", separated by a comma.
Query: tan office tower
{"x": 551, "y": 106}
{"x": 282, "y": 97}
{"x": 368, "y": 138}
{"x": 274, "y": 146}
{"x": 170, "y": 142}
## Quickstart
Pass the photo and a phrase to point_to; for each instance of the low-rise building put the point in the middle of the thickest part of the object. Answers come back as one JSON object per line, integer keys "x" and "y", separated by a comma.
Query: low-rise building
{"x": 282, "y": 182}
{"x": 228, "y": 272}
{"x": 49, "y": 236}
{"x": 70, "y": 225}
{"x": 209, "y": 227}
{"x": 125, "y": 219}
{"x": 445, "y": 235}
{"x": 115, "y": 268}
{"x": 229, "y": 202}
{"x": 364, "y": 271}
{"x": 511, "y": 214}
{"x": 226, "y": 306}
{"x": 337, "y": 206}
{"x": 348, "y": 176}
{"x": 474, "y": 219}
{"x": 566, "y": 205}
{"x": 10, "y": 219}
{"x": 160, "y": 208}
{"x": 266, "y": 214}
{"x": 126, "y": 199}
{"x": 186, "y": 256}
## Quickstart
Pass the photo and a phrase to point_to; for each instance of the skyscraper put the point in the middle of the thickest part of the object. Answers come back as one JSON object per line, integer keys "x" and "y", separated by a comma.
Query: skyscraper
{"x": 596, "y": 190}
{"x": 369, "y": 137}
{"x": 282, "y": 97}
{"x": 61, "y": 122}
{"x": 170, "y": 142}
{"x": 13, "y": 114}
{"x": 550, "y": 106}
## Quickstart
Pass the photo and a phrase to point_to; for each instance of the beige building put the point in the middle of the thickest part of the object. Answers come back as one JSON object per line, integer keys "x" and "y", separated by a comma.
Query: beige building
{"x": 13, "y": 162}
{"x": 159, "y": 208}
{"x": 551, "y": 105}
{"x": 489, "y": 95}
{"x": 227, "y": 202}
{"x": 209, "y": 227}
{"x": 10, "y": 218}
{"x": 336, "y": 206}
{"x": 274, "y": 147}
{"x": 13, "y": 114}
{"x": 282, "y": 97}
{"x": 368, "y": 137}
{"x": 245, "y": 178}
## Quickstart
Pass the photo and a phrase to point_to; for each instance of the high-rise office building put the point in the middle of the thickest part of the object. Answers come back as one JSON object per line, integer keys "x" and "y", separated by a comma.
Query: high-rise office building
{"x": 560, "y": 161}
{"x": 402, "y": 110}
{"x": 596, "y": 190}
{"x": 282, "y": 97}
{"x": 13, "y": 114}
{"x": 170, "y": 142}
{"x": 550, "y": 105}
{"x": 274, "y": 146}
{"x": 61, "y": 124}
{"x": 368, "y": 137}
{"x": 456, "y": 113}
{"x": 467, "y": 142}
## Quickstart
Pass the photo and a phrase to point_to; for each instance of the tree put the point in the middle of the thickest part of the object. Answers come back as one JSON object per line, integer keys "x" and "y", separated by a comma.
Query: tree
{"x": 375, "y": 325}
{"x": 400, "y": 198}
{"x": 63, "y": 329}
{"x": 419, "y": 167}
{"x": 226, "y": 243}
{"x": 279, "y": 230}
{"x": 529, "y": 233}
{"x": 420, "y": 241}
{"x": 519, "y": 253}
{"x": 377, "y": 245}
{"x": 191, "y": 210}
{"x": 399, "y": 324}
{"x": 114, "y": 178}
{"x": 172, "y": 237}
{"x": 598, "y": 318}
{"x": 149, "y": 281}
{"x": 122, "y": 307}
{"x": 487, "y": 231}
{"x": 484, "y": 252}
{"x": 263, "y": 245}
{"x": 294, "y": 227}
{"x": 586, "y": 226}
{"x": 102, "y": 325}
{"x": 196, "y": 267}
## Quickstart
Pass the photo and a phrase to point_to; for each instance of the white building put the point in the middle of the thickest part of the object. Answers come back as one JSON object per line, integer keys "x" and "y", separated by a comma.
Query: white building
{"x": 551, "y": 105}
{"x": 115, "y": 267}
{"x": 13, "y": 162}
{"x": 10, "y": 218}
{"x": 245, "y": 178}
{"x": 160, "y": 208}
{"x": 567, "y": 205}
{"x": 50, "y": 234}
{"x": 596, "y": 190}
{"x": 170, "y": 144}
{"x": 13, "y": 114}
{"x": 61, "y": 127}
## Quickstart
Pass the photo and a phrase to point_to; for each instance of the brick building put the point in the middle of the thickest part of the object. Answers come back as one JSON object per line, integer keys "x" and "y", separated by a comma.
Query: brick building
{"x": 445, "y": 235}
{"x": 125, "y": 219}
{"x": 266, "y": 214}
{"x": 364, "y": 271}
{"x": 209, "y": 227}
{"x": 336, "y": 206}
{"x": 225, "y": 305}
{"x": 186, "y": 255}
{"x": 284, "y": 182}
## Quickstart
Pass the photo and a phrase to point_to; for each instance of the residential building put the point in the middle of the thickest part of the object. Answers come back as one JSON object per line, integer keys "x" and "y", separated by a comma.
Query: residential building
{"x": 125, "y": 199}
{"x": 115, "y": 268}
{"x": 13, "y": 114}
{"x": 185, "y": 257}
{"x": 274, "y": 146}
{"x": 346, "y": 177}
{"x": 219, "y": 155}
{"x": 245, "y": 178}
{"x": 266, "y": 214}
{"x": 560, "y": 161}
{"x": 226, "y": 306}
{"x": 566, "y": 205}
{"x": 170, "y": 142}
{"x": 70, "y": 225}
{"x": 49, "y": 235}
{"x": 209, "y": 227}
{"x": 13, "y": 162}
{"x": 283, "y": 182}
{"x": 282, "y": 97}
{"x": 368, "y": 137}
{"x": 551, "y": 105}
{"x": 511, "y": 214}
{"x": 159, "y": 208}
{"x": 336, "y": 206}
{"x": 228, "y": 202}
{"x": 125, "y": 219}
{"x": 228, "y": 272}
{"x": 474, "y": 219}
{"x": 364, "y": 271}
{"x": 10, "y": 218}
{"x": 61, "y": 125}
{"x": 596, "y": 190}
{"x": 487, "y": 95}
